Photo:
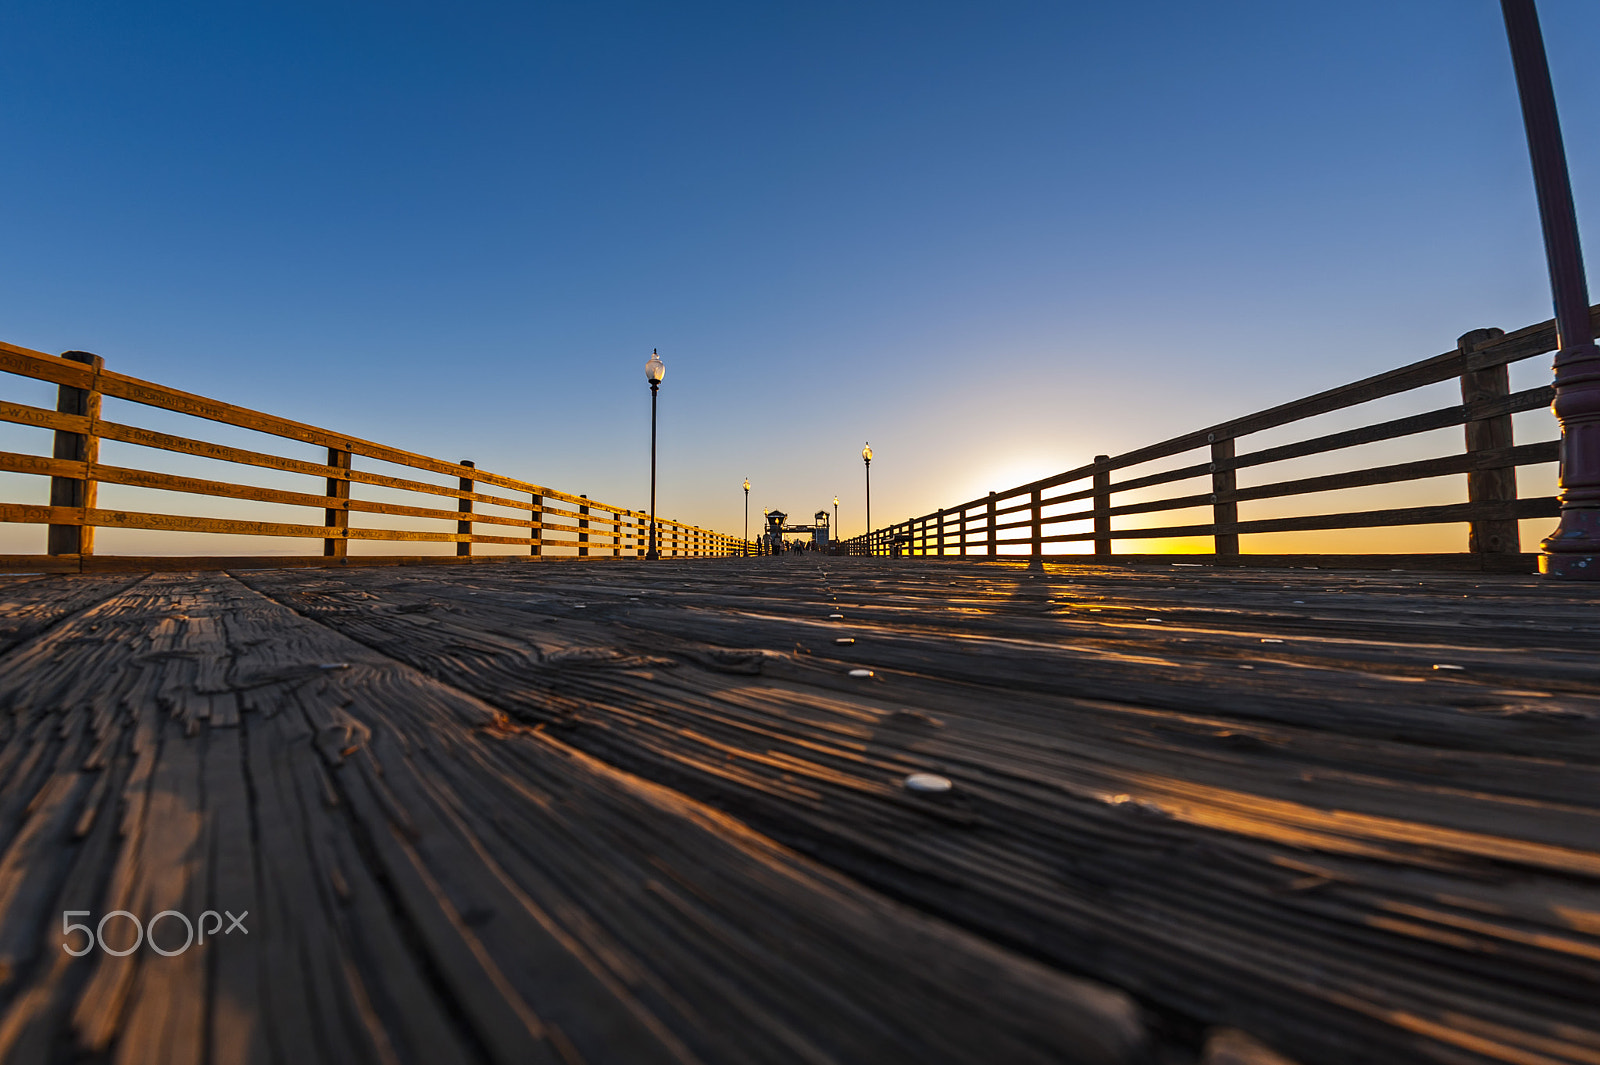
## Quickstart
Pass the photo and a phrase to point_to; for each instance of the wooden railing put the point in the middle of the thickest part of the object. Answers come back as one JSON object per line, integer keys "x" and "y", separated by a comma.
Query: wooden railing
{"x": 1003, "y": 522}
{"x": 544, "y": 521}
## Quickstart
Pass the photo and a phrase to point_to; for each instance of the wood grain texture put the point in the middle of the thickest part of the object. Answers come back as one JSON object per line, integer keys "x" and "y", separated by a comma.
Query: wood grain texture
{"x": 1249, "y": 798}
{"x": 428, "y": 879}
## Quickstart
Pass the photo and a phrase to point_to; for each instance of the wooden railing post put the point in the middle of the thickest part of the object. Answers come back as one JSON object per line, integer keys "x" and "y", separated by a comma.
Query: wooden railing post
{"x": 464, "y": 506}
{"x": 993, "y": 545}
{"x": 583, "y": 523}
{"x": 1489, "y": 536}
{"x": 537, "y": 510}
{"x": 1224, "y": 481}
{"x": 82, "y": 447}
{"x": 1102, "y": 504}
{"x": 616, "y": 528}
{"x": 337, "y": 519}
{"x": 1036, "y": 530}
{"x": 940, "y": 534}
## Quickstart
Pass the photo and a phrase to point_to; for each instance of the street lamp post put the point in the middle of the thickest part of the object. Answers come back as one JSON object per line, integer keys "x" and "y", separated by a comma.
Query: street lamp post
{"x": 654, "y": 371}
{"x": 866, "y": 456}
{"x": 836, "y": 532}
{"x": 747, "y": 515}
{"x": 1573, "y": 550}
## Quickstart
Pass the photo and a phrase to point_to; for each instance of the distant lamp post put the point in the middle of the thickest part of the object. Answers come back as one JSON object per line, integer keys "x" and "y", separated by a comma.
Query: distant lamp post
{"x": 866, "y": 456}
{"x": 836, "y": 533}
{"x": 1573, "y": 550}
{"x": 747, "y": 515}
{"x": 654, "y": 371}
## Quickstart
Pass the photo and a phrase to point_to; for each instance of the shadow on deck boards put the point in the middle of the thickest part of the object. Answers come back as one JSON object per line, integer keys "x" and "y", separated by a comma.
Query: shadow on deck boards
{"x": 646, "y": 813}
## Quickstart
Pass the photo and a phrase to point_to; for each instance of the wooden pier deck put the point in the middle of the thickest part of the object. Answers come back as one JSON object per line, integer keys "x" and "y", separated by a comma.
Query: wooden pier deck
{"x": 615, "y": 812}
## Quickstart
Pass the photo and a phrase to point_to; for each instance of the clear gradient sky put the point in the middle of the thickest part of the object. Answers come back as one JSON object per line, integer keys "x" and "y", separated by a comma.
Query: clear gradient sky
{"x": 992, "y": 238}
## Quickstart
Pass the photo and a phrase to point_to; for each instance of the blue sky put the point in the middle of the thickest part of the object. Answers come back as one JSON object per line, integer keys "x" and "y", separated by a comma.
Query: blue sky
{"x": 993, "y": 238}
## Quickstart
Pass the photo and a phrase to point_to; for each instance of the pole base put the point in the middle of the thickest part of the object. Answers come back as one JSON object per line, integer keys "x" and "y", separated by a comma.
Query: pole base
{"x": 1572, "y": 552}
{"x": 1036, "y": 563}
{"x": 1570, "y": 567}
{"x": 651, "y": 556}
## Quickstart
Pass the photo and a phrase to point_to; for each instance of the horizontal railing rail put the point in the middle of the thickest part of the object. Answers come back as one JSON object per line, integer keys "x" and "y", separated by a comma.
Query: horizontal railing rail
{"x": 555, "y": 523}
{"x": 1006, "y": 521}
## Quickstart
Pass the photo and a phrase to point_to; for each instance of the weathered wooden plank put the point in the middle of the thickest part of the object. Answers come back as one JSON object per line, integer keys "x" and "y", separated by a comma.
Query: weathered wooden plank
{"x": 1433, "y": 562}
{"x": 127, "y": 519}
{"x": 1266, "y": 846}
{"x": 1536, "y": 507}
{"x": 29, "y": 608}
{"x": 23, "y": 414}
{"x": 165, "y": 441}
{"x": 430, "y": 882}
{"x": 152, "y": 394}
{"x": 1443, "y": 418}
{"x": 12, "y": 462}
{"x": 40, "y": 366}
{"x": 12, "y": 565}
{"x": 136, "y": 564}
{"x": 15, "y": 463}
{"x": 1487, "y": 459}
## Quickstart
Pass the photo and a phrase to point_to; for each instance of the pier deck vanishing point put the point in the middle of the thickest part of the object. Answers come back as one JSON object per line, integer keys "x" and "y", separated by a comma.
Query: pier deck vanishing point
{"x": 613, "y": 812}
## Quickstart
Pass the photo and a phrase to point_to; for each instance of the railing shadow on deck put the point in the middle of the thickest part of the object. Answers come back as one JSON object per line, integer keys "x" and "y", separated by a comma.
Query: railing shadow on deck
{"x": 547, "y": 522}
{"x": 1001, "y": 523}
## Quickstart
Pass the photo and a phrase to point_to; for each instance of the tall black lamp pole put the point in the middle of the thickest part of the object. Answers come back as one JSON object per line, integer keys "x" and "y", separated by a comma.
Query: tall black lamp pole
{"x": 747, "y": 515}
{"x": 866, "y": 456}
{"x": 1573, "y": 550}
{"x": 654, "y": 370}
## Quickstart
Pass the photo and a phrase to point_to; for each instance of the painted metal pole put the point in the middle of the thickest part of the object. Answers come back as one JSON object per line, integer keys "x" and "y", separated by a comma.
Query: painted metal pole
{"x": 655, "y": 387}
{"x": 1573, "y": 550}
{"x": 866, "y": 456}
{"x": 746, "y": 549}
{"x": 869, "y": 497}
